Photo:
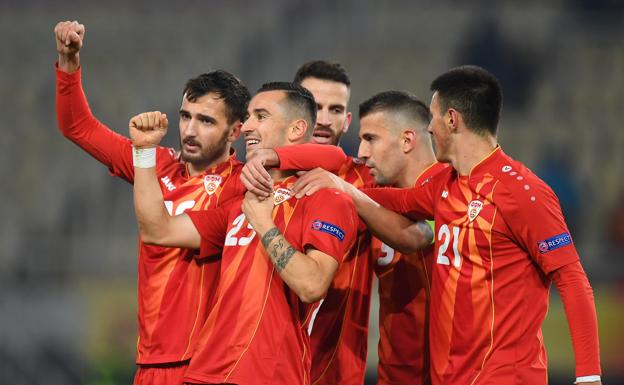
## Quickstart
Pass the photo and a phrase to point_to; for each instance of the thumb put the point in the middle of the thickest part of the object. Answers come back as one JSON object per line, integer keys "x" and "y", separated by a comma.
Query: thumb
{"x": 164, "y": 122}
{"x": 72, "y": 38}
{"x": 301, "y": 173}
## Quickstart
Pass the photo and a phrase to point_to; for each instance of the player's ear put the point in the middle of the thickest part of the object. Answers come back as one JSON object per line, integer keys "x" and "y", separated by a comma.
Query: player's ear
{"x": 297, "y": 130}
{"x": 452, "y": 119}
{"x": 235, "y": 131}
{"x": 408, "y": 140}
{"x": 347, "y": 122}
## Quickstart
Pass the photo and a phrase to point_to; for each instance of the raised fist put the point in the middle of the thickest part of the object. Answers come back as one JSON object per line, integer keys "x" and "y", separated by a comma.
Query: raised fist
{"x": 148, "y": 129}
{"x": 69, "y": 37}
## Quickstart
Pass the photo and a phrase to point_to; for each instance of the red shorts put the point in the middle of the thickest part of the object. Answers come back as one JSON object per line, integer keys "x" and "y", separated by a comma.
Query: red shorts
{"x": 161, "y": 374}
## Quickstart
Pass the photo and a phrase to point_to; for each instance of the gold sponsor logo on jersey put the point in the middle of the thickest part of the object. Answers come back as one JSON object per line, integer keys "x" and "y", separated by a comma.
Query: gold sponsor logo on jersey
{"x": 212, "y": 183}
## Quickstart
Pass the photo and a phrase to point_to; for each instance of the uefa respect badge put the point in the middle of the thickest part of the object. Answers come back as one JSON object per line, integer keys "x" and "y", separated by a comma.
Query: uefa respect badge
{"x": 212, "y": 183}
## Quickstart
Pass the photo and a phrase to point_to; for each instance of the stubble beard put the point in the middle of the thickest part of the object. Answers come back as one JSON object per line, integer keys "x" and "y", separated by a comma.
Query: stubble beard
{"x": 208, "y": 155}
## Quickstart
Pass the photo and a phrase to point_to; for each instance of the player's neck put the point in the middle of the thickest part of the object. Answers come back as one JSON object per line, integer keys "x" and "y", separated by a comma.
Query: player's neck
{"x": 414, "y": 169}
{"x": 280, "y": 175}
{"x": 470, "y": 150}
{"x": 195, "y": 169}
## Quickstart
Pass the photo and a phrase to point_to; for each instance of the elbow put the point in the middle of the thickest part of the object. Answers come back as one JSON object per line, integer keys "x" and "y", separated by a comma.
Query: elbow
{"x": 418, "y": 239}
{"x": 311, "y": 293}
{"x": 147, "y": 238}
{"x": 150, "y": 236}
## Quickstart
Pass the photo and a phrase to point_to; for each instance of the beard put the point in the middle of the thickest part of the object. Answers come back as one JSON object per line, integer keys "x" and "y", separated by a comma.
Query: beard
{"x": 206, "y": 154}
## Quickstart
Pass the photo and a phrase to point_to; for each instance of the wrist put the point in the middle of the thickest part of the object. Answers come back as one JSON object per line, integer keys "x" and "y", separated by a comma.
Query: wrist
{"x": 144, "y": 157}
{"x": 68, "y": 64}
{"x": 271, "y": 158}
{"x": 587, "y": 379}
{"x": 263, "y": 226}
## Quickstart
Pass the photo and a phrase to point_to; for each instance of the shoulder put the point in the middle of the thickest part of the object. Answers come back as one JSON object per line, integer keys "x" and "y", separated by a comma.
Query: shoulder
{"x": 519, "y": 188}
{"x": 329, "y": 196}
{"x": 330, "y": 202}
{"x": 434, "y": 174}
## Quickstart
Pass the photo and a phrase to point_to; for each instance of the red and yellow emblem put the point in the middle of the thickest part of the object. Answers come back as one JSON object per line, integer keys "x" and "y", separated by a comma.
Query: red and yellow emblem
{"x": 212, "y": 183}
{"x": 474, "y": 208}
{"x": 281, "y": 195}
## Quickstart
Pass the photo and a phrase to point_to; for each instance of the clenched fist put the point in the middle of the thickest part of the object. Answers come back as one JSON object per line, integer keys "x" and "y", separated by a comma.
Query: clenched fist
{"x": 69, "y": 36}
{"x": 148, "y": 129}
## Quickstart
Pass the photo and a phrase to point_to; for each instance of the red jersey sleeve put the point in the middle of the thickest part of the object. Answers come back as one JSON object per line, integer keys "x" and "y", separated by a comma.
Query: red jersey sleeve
{"x": 578, "y": 301}
{"x": 416, "y": 202}
{"x": 78, "y": 124}
{"x": 329, "y": 223}
{"x": 311, "y": 155}
{"x": 535, "y": 220}
{"x": 212, "y": 227}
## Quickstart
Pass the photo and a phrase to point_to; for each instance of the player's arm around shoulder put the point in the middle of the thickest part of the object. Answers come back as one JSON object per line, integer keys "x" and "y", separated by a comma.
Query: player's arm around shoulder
{"x": 332, "y": 225}
{"x": 397, "y": 231}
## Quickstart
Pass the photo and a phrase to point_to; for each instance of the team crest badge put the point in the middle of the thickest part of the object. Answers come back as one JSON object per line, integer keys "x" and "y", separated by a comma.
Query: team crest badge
{"x": 212, "y": 183}
{"x": 281, "y": 195}
{"x": 474, "y": 208}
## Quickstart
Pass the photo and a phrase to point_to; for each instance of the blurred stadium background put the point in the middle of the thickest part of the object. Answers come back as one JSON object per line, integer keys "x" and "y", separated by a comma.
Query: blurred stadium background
{"x": 67, "y": 229}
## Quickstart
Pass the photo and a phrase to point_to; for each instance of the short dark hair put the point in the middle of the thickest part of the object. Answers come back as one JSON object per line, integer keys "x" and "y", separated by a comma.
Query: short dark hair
{"x": 475, "y": 93}
{"x": 297, "y": 97}
{"x": 323, "y": 69}
{"x": 229, "y": 88}
{"x": 399, "y": 102}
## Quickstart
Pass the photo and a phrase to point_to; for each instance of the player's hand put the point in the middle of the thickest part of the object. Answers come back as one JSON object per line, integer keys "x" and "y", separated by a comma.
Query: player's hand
{"x": 148, "y": 129}
{"x": 314, "y": 180}
{"x": 255, "y": 176}
{"x": 69, "y": 37}
{"x": 258, "y": 211}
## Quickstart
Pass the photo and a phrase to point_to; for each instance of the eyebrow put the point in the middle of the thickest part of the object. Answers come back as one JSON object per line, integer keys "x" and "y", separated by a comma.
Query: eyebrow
{"x": 261, "y": 110}
{"x": 199, "y": 116}
{"x": 207, "y": 117}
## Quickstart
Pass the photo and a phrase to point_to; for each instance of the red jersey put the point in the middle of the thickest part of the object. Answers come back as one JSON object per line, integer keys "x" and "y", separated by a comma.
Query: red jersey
{"x": 256, "y": 333}
{"x": 174, "y": 290}
{"x": 499, "y": 232}
{"x": 404, "y": 292}
{"x": 339, "y": 330}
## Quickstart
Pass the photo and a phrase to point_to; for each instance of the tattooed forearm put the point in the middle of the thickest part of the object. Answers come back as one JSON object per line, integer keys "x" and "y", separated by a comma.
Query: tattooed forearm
{"x": 277, "y": 246}
{"x": 280, "y": 245}
{"x": 269, "y": 236}
{"x": 283, "y": 260}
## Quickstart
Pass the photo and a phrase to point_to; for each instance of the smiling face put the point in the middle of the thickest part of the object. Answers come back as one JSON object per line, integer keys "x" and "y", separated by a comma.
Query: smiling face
{"x": 380, "y": 148}
{"x": 268, "y": 121}
{"x": 205, "y": 134}
{"x": 332, "y": 117}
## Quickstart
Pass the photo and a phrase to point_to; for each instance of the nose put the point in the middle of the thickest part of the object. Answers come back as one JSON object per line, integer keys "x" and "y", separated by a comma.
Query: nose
{"x": 247, "y": 126}
{"x": 322, "y": 117}
{"x": 364, "y": 150}
{"x": 188, "y": 127}
{"x": 430, "y": 128}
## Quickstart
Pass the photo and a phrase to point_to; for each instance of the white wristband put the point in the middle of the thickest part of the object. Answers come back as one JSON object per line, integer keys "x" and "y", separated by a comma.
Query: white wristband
{"x": 580, "y": 380}
{"x": 144, "y": 157}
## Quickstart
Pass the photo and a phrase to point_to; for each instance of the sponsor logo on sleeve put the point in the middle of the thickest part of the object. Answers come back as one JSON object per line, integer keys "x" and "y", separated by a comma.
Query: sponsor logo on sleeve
{"x": 554, "y": 243}
{"x": 326, "y": 227}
